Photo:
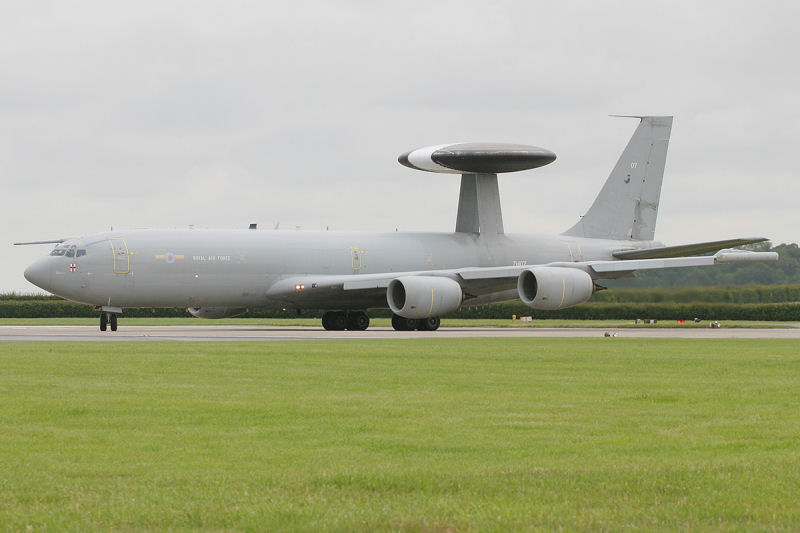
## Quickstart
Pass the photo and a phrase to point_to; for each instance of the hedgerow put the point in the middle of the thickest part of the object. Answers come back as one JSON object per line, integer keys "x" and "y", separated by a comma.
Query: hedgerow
{"x": 588, "y": 311}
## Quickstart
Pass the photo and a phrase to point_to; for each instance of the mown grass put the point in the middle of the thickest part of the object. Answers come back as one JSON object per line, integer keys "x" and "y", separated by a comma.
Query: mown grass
{"x": 385, "y": 322}
{"x": 416, "y": 435}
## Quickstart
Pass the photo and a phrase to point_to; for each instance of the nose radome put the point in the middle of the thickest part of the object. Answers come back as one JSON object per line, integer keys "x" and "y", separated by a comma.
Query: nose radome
{"x": 39, "y": 274}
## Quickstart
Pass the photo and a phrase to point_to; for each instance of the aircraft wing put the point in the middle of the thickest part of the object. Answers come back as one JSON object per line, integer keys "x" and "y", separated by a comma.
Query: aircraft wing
{"x": 616, "y": 269}
{"x": 369, "y": 290}
{"x": 684, "y": 249}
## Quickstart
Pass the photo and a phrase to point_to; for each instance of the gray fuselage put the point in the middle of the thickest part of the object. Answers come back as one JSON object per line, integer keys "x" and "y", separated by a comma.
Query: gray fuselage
{"x": 236, "y": 268}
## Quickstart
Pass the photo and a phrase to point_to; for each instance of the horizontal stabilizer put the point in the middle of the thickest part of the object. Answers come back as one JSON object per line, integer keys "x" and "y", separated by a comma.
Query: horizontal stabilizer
{"x": 683, "y": 249}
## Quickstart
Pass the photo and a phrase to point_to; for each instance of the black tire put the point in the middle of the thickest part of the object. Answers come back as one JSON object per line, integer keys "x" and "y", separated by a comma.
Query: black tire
{"x": 338, "y": 321}
{"x": 326, "y": 320}
{"x": 103, "y": 321}
{"x": 430, "y": 324}
{"x": 412, "y": 323}
{"x": 357, "y": 321}
{"x": 113, "y": 322}
{"x": 399, "y": 323}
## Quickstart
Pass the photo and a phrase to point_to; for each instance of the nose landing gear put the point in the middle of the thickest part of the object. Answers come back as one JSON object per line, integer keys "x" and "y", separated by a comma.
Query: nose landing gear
{"x": 108, "y": 318}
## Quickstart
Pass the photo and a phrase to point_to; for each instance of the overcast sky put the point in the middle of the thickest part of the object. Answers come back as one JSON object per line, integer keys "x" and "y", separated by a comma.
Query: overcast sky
{"x": 219, "y": 114}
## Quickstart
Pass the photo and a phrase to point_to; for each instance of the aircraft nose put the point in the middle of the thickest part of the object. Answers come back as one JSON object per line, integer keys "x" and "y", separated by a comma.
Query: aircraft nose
{"x": 39, "y": 274}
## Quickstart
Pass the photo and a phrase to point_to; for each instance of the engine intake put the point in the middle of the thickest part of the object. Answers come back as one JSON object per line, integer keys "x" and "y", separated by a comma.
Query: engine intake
{"x": 550, "y": 288}
{"x": 423, "y": 296}
{"x": 216, "y": 312}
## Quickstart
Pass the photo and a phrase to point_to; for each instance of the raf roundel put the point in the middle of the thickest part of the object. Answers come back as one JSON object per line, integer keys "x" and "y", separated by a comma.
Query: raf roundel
{"x": 477, "y": 158}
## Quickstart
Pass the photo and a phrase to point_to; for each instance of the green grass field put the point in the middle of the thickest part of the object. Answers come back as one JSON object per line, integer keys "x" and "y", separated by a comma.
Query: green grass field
{"x": 417, "y": 435}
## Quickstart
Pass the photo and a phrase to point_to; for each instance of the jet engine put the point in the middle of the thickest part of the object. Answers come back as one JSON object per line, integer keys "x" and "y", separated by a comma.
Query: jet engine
{"x": 550, "y": 288}
{"x": 216, "y": 312}
{"x": 423, "y": 296}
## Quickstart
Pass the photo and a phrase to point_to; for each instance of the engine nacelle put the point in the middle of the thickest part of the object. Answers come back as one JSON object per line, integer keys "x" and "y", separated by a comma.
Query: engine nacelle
{"x": 550, "y": 288}
{"x": 423, "y": 296}
{"x": 216, "y": 312}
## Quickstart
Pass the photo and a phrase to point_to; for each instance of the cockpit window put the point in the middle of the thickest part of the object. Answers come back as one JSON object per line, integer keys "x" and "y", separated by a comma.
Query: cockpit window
{"x": 69, "y": 251}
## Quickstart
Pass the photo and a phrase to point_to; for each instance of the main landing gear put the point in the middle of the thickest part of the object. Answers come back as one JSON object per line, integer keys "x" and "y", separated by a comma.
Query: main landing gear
{"x": 359, "y": 321}
{"x": 341, "y": 320}
{"x": 400, "y": 323}
{"x": 108, "y": 319}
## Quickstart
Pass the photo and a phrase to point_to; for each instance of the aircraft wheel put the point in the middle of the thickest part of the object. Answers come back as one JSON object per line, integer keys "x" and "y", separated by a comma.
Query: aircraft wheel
{"x": 399, "y": 323}
{"x": 338, "y": 321}
{"x": 103, "y": 321}
{"x": 113, "y": 322}
{"x": 430, "y": 324}
{"x": 357, "y": 321}
{"x": 326, "y": 320}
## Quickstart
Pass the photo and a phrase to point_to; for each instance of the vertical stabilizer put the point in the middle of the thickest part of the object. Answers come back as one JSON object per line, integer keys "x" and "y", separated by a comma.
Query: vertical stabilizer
{"x": 627, "y": 206}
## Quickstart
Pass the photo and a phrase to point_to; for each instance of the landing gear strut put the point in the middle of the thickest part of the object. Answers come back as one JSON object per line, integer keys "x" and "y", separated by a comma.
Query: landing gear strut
{"x": 341, "y": 320}
{"x": 108, "y": 319}
{"x": 400, "y": 323}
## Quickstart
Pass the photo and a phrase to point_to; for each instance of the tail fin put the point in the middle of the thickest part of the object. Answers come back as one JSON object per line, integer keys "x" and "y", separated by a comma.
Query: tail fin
{"x": 627, "y": 206}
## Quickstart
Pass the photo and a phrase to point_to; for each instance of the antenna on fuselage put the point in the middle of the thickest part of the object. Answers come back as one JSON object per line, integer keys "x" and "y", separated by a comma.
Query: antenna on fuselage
{"x": 479, "y": 209}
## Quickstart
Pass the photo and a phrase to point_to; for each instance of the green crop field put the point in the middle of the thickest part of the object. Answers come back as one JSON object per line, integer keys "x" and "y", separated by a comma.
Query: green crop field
{"x": 417, "y": 435}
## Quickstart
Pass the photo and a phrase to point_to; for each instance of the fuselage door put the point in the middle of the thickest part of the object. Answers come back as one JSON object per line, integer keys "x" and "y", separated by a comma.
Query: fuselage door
{"x": 122, "y": 261}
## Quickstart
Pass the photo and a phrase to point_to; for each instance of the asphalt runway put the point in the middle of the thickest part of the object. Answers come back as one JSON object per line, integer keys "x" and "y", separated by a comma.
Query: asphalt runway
{"x": 278, "y": 333}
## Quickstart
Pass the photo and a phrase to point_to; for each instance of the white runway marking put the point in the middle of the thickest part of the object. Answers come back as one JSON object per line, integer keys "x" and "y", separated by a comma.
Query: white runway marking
{"x": 279, "y": 333}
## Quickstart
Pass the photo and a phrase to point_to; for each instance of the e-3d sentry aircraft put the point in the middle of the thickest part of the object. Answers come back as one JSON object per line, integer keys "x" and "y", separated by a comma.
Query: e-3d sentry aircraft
{"x": 419, "y": 276}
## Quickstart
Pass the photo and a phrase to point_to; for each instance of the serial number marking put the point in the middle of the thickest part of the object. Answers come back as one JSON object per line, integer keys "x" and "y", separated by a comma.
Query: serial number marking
{"x": 521, "y": 263}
